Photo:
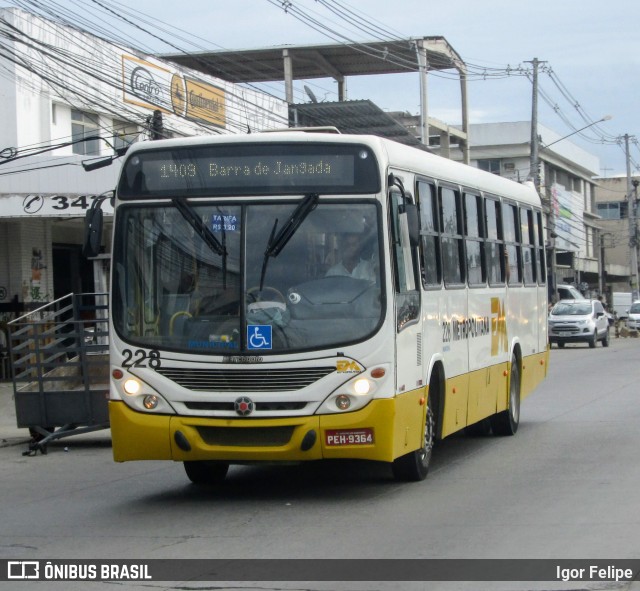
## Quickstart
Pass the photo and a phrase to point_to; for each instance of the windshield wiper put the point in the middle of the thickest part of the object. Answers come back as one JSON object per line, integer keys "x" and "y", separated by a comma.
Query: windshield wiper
{"x": 195, "y": 221}
{"x": 278, "y": 241}
{"x": 200, "y": 227}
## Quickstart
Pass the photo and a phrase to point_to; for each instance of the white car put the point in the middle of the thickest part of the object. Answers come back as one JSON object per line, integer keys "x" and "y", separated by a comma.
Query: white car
{"x": 633, "y": 319}
{"x": 575, "y": 321}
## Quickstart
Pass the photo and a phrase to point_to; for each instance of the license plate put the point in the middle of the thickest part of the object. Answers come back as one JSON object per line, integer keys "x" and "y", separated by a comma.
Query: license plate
{"x": 336, "y": 437}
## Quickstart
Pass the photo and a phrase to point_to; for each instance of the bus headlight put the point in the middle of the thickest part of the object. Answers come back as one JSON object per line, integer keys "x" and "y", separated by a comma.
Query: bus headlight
{"x": 343, "y": 402}
{"x": 150, "y": 401}
{"x": 352, "y": 395}
{"x": 137, "y": 394}
{"x": 362, "y": 386}
{"x": 131, "y": 386}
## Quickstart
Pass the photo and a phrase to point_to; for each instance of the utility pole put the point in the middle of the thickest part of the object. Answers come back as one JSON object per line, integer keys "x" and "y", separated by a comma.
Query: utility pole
{"x": 633, "y": 238}
{"x": 423, "y": 69}
{"x": 534, "y": 175}
{"x": 533, "y": 161}
{"x": 156, "y": 125}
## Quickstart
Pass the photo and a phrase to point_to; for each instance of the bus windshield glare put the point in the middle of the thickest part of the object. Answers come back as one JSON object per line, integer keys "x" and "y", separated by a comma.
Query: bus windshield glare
{"x": 178, "y": 283}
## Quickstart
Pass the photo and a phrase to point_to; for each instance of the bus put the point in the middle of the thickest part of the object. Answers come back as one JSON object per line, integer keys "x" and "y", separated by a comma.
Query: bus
{"x": 294, "y": 296}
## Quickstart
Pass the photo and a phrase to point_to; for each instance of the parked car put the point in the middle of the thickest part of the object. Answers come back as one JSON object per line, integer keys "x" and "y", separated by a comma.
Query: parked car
{"x": 633, "y": 318}
{"x": 575, "y": 321}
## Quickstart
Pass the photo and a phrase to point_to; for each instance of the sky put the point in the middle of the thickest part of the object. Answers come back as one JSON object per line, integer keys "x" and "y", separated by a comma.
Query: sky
{"x": 590, "y": 50}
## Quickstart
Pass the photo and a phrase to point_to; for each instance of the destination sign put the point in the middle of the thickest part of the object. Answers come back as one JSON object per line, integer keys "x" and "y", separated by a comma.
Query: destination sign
{"x": 249, "y": 170}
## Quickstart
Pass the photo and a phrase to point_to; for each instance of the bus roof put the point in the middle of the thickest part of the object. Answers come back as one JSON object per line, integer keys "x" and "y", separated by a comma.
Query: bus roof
{"x": 399, "y": 156}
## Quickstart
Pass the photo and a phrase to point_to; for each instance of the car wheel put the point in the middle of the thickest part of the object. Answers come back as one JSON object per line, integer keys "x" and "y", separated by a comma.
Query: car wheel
{"x": 206, "y": 472}
{"x": 560, "y": 345}
{"x": 507, "y": 421}
{"x": 605, "y": 341}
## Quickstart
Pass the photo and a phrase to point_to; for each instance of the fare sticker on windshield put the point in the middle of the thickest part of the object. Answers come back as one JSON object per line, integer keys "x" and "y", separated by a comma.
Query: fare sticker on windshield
{"x": 225, "y": 223}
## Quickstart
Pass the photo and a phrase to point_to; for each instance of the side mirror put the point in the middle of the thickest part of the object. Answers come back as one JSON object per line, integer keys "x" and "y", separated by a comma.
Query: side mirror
{"x": 92, "y": 230}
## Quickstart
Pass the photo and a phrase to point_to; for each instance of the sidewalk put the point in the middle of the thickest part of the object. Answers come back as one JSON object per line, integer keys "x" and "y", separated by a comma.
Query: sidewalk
{"x": 9, "y": 432}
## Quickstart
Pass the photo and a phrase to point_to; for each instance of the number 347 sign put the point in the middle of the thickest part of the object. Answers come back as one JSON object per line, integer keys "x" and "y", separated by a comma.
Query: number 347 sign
{"x": 39, "y": 205}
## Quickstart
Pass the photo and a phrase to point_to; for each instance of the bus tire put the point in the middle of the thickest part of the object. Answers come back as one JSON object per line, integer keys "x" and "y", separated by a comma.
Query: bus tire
{"x": 507, "y": 421}
{"x": 414, "y": 466}
{"x": 206, "y": 472}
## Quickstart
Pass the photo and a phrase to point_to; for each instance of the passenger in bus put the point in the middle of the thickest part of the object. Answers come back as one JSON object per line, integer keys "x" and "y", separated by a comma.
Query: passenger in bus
{"x": 354, "y": 258}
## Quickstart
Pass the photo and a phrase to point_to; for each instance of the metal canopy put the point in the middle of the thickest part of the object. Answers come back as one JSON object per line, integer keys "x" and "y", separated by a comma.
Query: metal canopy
{"x": 338, "y": 61}
{"x": 321, "y": 61}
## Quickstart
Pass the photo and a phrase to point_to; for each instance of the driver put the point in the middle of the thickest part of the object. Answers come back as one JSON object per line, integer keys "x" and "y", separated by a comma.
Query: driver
{"x": 352, "y": 261}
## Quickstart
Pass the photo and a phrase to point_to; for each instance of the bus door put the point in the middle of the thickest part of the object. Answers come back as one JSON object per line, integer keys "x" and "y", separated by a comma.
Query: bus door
{"x": 404, "y": 237}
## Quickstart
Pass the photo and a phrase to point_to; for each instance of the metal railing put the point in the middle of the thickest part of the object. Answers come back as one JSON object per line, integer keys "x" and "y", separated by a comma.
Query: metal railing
{"x": 59, "y": 356}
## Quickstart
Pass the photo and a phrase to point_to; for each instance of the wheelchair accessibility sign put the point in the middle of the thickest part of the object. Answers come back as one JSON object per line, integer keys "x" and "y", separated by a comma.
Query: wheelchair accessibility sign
{"x": 258, "y": 336}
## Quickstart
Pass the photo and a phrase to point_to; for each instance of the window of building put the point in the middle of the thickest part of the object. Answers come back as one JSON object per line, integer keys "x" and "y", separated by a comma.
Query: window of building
{"x": 84, "y": 125}
{"x": 490, "y": 165}
{"x": 613, "y": 210}
{"x": 124, "y": 134}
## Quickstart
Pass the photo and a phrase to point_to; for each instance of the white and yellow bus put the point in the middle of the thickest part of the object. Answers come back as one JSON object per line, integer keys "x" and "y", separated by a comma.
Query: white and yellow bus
{"x": 303, "y": 296}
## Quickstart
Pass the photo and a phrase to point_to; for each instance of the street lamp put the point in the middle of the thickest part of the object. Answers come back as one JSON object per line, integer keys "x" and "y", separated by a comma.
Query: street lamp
{"x": 605, "y": 118}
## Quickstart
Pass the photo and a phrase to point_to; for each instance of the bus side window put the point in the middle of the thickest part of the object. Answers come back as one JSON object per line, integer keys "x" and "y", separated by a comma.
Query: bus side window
{"x": 494, "y": 244}
{"x": 512, "y": 244}
{"x": 404, "y": 263}
{"x": 528, "y": 251}
{"x": 452, "y": 242}
{"x": 539, "y": 242}
{"x": 430, "y": 238}
{"x": 474, "y": 240}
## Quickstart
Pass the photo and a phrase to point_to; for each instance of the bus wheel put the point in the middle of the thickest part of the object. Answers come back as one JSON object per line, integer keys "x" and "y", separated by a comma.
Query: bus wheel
{"x": 414, "y": 466}
{"x": 506, "y": 422}
{"x": 205, "y": 472}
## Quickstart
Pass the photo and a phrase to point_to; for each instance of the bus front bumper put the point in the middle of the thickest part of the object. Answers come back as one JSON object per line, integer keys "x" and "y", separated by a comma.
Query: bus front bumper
{"x": 370, "y": 433}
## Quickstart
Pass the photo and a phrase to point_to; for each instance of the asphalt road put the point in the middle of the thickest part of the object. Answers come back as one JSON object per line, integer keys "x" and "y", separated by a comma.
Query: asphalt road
{"x": 565, "y": 487}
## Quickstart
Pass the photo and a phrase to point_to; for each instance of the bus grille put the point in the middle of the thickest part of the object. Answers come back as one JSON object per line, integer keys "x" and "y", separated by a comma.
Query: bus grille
{"x": 245, "y": 380}
{"x": 246, "y": 437}
{"x": 260, "y": 406}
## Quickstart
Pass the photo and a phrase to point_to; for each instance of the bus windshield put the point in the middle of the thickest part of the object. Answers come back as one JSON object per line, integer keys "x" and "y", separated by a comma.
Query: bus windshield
{"x": 220, "y": 279}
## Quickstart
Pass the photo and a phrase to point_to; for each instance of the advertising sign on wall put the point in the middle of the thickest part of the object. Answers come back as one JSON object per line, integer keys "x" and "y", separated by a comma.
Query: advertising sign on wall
{"x": 568, "y": 208}
{"x": 56, "y": 205}
{"x": 150, "y": 85}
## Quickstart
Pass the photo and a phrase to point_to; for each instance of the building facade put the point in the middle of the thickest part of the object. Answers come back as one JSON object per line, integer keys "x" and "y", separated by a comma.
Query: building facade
{"x": 619, "y": 235}
{"x": 71, "y": 101}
